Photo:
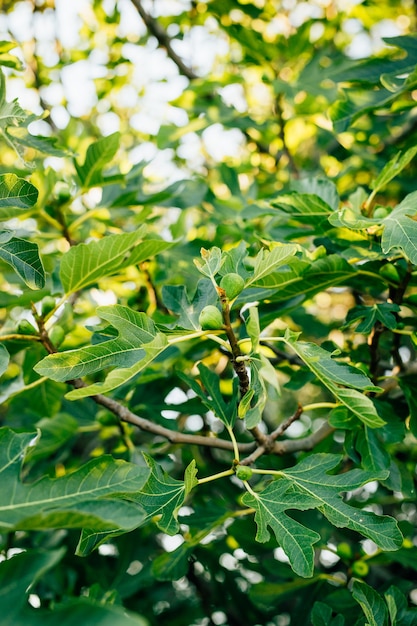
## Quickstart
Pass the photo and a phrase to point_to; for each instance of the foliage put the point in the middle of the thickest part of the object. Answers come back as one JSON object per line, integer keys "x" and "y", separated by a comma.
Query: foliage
{"x": 208, "y": 368}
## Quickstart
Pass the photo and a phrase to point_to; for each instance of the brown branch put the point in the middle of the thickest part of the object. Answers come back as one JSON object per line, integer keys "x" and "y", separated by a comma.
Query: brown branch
{"x": 268, "y": 443}
{"x": 163, "y": 39}
{"x": 123, "y": 413}
{"x": 305, "y": 443}
{"x": 236, "y": 361}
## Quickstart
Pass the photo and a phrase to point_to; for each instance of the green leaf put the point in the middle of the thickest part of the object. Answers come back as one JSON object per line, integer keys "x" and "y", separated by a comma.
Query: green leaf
{"x": 4, "y": 359}
{"x": 307, "y": 486}
{"x": 311, "y": 476}
{"x": 16, "y": 196}
{"x": 46, "y": 145}
{"x": 321, "y": 615}
{"x": 176, "y": 299}
{"x": 81, "y": 611}
{"x": 306, "y": 208}
{"x": 400, "y": 232}
{"x": 55, "y": 432}
{"x": 23, "y": 256}
{"x": 393, "y": 168}
{"x": 408, "y": 384}
{"x": 173, "y": 565}
{"x": 99, "y": 154}
{"x": 304, "y": 279}
{"x": 212, "y": 397}
{"x": 137, "y": 345}
{"x": 372, "y": 604}
{"x": 253, "y": 327}
{"x": 18, "y": 574}
{"x": 332, "y": 374}
{"x": 371, "y": 314}
{"x": 88, "y": 262}
{"x": 295, "y": 539}
{"x": 212, "y": 262}
{"x": 267, "y": 261}
{"x": 163, "y": 496}
{"x": 266, "y": 595}
{"x": 399, "y": 613}
{"x": 9, "y": 60}
{"x": 322, "y": 188}
{"x": 90, "y": 496}
{"x": 11, "y": 113}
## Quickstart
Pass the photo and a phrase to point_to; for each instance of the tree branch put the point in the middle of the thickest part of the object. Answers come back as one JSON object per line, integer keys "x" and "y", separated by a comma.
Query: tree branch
{"x": 163, "y": 39}
{"x": 124, "y": 414}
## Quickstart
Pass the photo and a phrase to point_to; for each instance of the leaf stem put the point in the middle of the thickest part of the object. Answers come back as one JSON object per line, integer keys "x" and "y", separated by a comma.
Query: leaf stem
{"x": 249, "y": 488}
{"x": 208, "y": 479}
{"x": 235, "y": 446}
{"x": 18, "y": 337}
{"x": 320, "y": 405}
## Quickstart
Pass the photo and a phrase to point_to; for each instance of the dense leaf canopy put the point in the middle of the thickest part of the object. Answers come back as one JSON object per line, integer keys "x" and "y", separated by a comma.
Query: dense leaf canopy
{"x": 208, "y": 268}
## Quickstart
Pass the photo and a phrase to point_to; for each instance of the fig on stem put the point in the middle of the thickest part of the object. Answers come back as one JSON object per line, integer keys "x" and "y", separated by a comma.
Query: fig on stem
{"x": 232, "y": 284}
{"x": 210, "y": 318}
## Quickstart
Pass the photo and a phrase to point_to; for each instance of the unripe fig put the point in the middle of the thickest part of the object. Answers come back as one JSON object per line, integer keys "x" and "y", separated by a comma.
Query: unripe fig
{"x": 57, "y": 335}
{"x": 390, "y": 272}
{"x": 380, "y": 213}
{"x": 48, "y": 305}
{"x": 360, "y": 568}
{"x": 243, "y": 472}
{"x": 232, "y": 284}
{"x": 25, "y": 328}
{"x": 344, "y": 550}
{"x": 210, "y": 318}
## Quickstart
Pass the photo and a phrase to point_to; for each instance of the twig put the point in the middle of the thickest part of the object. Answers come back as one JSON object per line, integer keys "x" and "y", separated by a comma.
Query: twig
{"x": 238, "y": 365}
{"x": 305, "y": 443}
{"x": 285, "y": 425}
{"x": 164, "y": 40}
{"x": 173, "y": 436}
{"x": 268, "y": 444}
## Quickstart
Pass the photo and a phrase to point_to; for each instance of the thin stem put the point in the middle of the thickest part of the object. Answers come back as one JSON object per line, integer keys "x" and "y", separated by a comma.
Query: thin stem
{"x": 18, "y": 337}
{"x": 319, "y": 405}
{"x": 249, "y": 488}
{"x": 272, "y": 472}
{"x": 235, "y": 444}
{"x": 209, "y": 479}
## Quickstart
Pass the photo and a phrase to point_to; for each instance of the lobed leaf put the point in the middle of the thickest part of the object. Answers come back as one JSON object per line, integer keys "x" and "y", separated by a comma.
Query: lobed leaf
{"x": 163, "y": 496}
{"x": 400, "y": 231}
{"x": 332, "y": 374}
{"x": 138, "y": 343}
{"x": 92, "y": 495}
{"x": 308, "y": 486}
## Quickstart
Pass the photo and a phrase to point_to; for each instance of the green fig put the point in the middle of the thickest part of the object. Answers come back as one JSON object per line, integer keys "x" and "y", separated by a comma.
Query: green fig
{"x": 57, "y": 335}
{"x": 26, "y": 328}
{"x": 243, "y": 472}
{"x": 232, "y": 284}
{"x": 210, "y": 318}
{"x": 48, "y": 305}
